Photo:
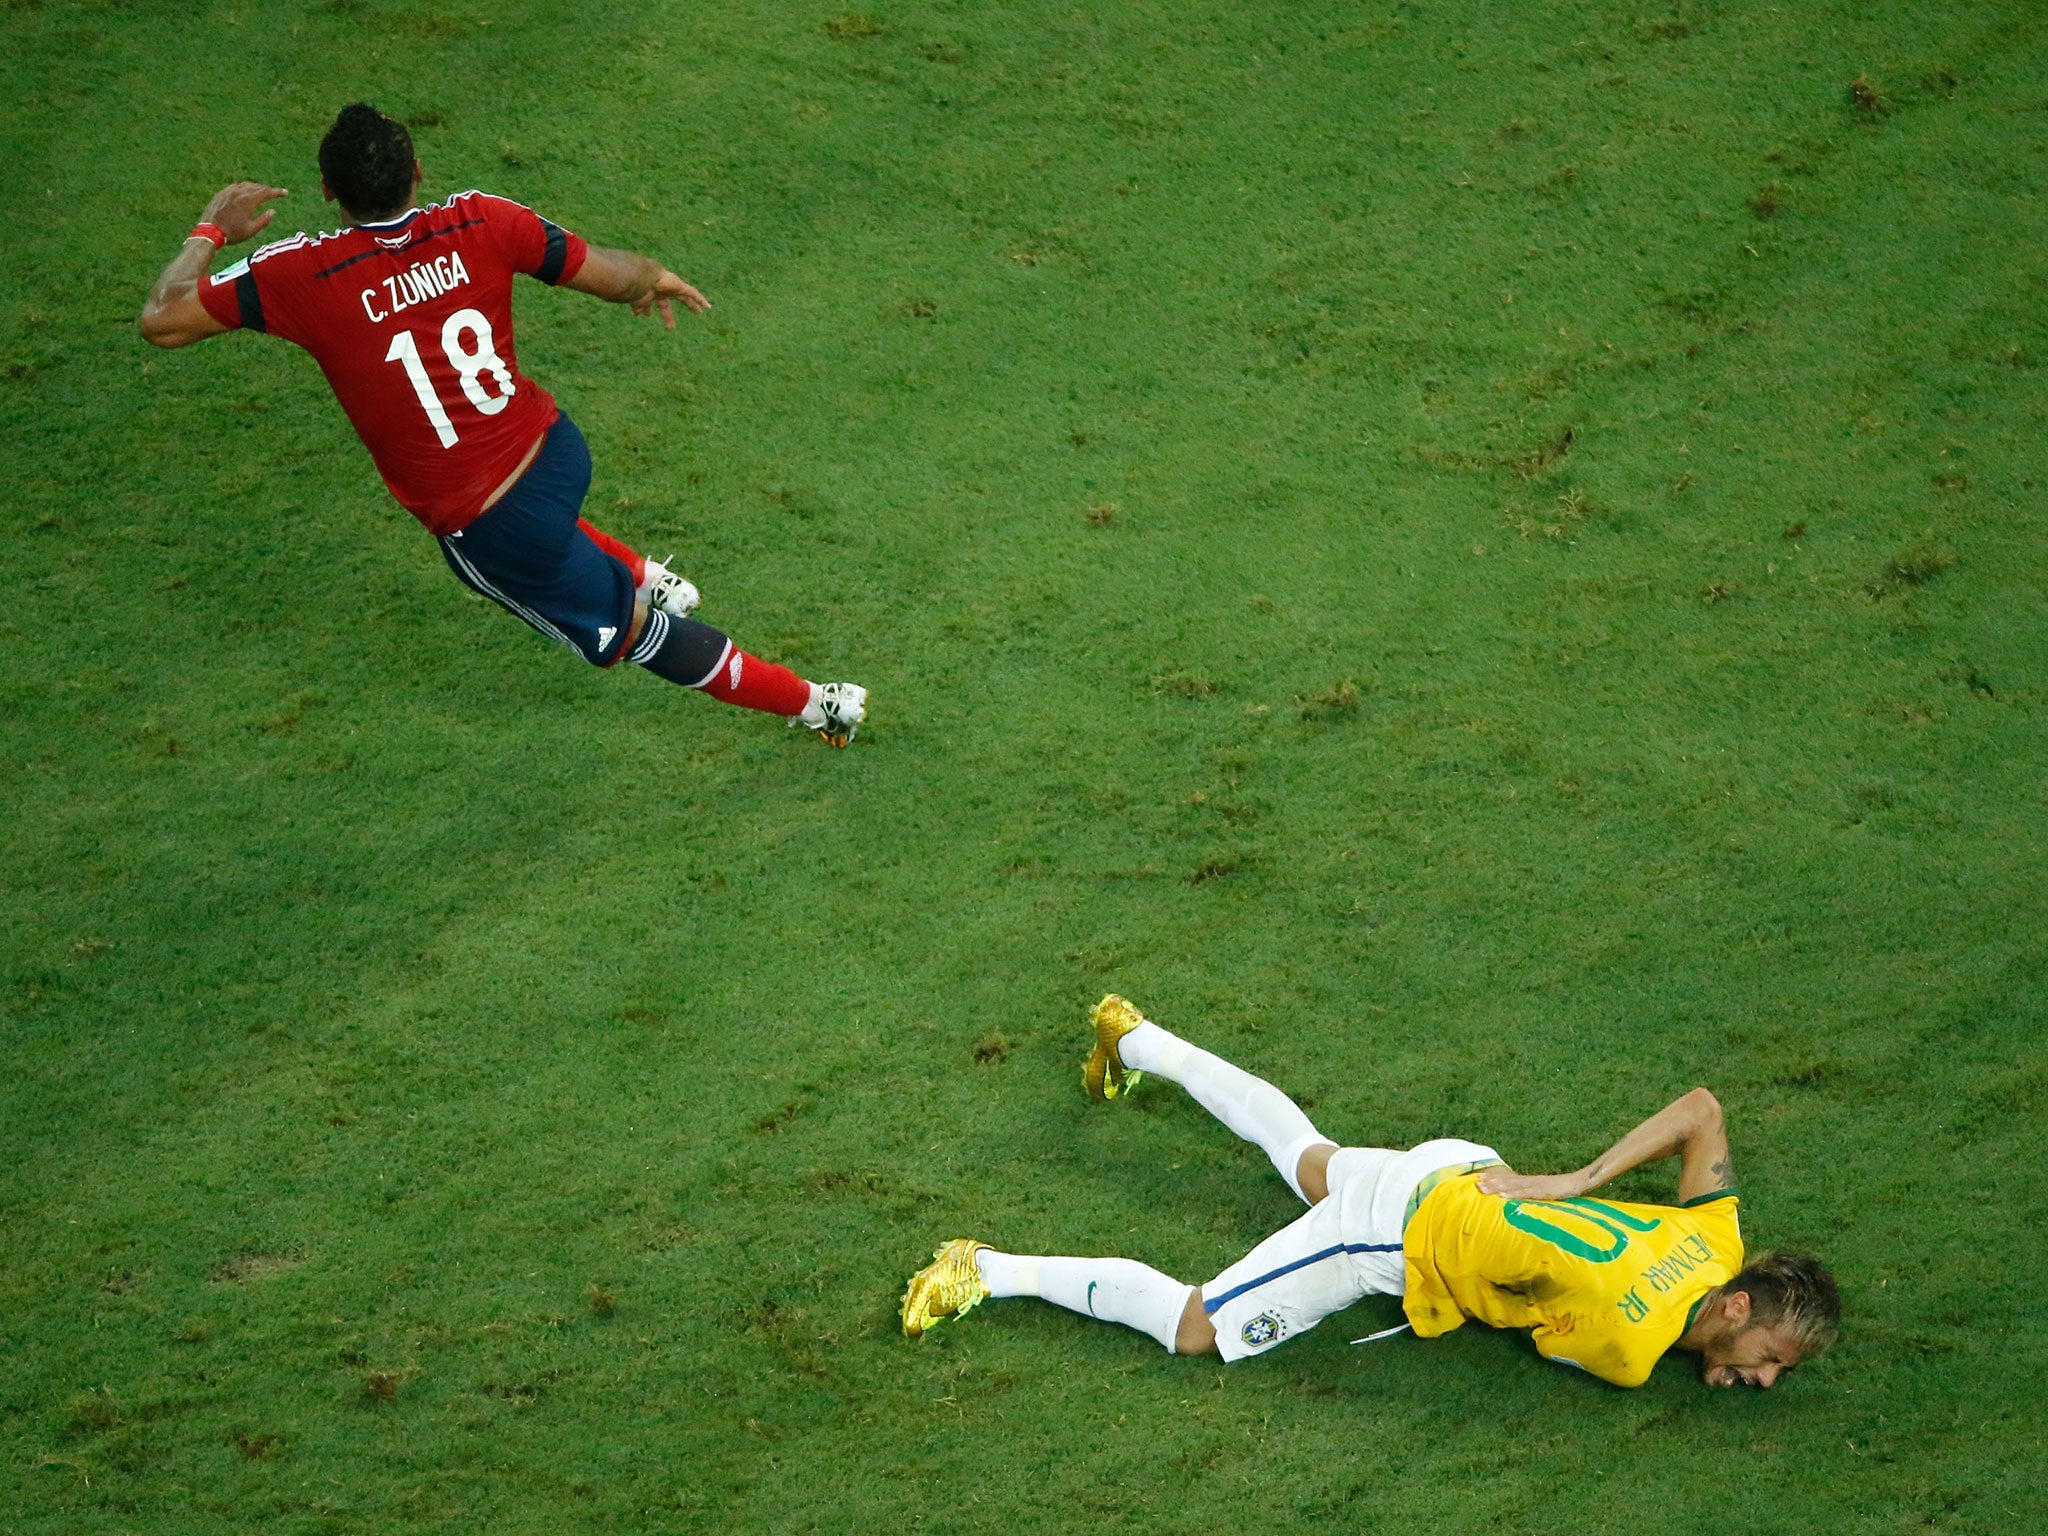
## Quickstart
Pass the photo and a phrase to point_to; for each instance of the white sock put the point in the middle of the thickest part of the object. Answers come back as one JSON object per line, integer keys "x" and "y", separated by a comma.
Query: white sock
{"x": 1115, "y": 1290}
{"x": 1250, "y": 1106}
{"x": 652, "y": 572}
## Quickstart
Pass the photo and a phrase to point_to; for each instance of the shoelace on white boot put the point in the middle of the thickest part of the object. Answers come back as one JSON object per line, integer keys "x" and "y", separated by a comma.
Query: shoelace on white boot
{"x": 674, "y": 595}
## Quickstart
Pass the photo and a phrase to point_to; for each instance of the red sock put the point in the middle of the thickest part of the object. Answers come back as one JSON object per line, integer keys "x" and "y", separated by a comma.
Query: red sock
{"x": 753, "y": 683}
{"x": 633, "y": 561}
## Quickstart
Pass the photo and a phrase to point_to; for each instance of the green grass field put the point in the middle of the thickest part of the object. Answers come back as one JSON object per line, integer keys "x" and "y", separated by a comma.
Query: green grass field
{"x": 1485, "y": 561}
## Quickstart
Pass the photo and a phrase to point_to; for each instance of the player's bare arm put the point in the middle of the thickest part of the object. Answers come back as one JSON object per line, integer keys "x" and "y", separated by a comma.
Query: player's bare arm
{"x": 621, "y": 277}
{"x": 1689, "y": 1128}
{"x": 172, "y": 316}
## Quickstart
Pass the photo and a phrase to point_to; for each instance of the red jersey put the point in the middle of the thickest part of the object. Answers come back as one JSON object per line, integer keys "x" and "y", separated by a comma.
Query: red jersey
{"x": 411, "y": 320}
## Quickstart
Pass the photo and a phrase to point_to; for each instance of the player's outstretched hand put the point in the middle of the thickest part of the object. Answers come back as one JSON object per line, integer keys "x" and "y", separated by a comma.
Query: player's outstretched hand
{"x": 1510, "y": 1185}
{"x": 667, "y": 288}
{"x": 236, "y": 209}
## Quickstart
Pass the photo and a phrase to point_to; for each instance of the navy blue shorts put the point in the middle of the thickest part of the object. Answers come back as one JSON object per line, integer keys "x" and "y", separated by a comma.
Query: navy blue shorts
{"x": 528, "y": 555}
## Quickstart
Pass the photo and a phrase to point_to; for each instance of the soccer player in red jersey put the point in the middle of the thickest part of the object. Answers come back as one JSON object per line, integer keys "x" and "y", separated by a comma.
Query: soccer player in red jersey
{"x": 408, "y": 311}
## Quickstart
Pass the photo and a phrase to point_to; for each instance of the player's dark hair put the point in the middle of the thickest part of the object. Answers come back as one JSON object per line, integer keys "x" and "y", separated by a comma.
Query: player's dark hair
{"x": 367, "y": 159}
{"x": 1793, "y": 1291}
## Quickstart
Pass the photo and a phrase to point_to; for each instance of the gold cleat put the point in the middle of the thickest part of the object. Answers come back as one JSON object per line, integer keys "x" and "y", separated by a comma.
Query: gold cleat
{"x": 949, "y": 1286}
{"x": 1104, "y": 1075}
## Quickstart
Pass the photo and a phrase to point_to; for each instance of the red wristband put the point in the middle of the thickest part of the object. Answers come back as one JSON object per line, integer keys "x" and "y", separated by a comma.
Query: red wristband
{"x": 213, "y": 232}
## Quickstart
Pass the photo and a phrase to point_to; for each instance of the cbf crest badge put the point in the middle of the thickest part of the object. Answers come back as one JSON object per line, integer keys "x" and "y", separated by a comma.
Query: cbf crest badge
{"x": 1261, "y": 1330}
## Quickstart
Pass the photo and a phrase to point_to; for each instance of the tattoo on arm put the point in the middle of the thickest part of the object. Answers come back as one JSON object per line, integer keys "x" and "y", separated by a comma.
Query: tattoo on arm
{"x": 1723, "y": 1173}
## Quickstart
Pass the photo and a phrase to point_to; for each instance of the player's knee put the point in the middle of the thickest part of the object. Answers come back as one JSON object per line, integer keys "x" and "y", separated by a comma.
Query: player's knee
{"x": 1312, "y": 1173}
{"x": 1196, "y": 1335}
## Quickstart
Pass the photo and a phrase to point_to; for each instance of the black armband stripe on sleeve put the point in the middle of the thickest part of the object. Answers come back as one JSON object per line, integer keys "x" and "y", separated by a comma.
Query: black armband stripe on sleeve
{"x": 250, "y": 301}
{"x": 556, "y": 255}
{"x": 1728, "y": 1193}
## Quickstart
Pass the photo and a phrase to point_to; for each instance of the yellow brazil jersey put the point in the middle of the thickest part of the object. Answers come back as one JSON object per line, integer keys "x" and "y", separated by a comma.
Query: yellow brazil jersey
{"x": 1605, "y": 1285}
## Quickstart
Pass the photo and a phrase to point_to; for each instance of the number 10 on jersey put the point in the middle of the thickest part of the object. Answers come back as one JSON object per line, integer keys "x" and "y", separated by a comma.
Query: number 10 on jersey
{"x": 470, "y": 363}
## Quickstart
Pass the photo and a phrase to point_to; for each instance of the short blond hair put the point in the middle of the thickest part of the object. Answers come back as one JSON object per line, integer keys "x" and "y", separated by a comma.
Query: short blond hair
{"x": 1793, "y": 1291}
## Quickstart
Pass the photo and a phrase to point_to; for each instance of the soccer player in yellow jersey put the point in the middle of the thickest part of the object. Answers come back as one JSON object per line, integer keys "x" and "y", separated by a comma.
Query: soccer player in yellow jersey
{"x": 1604, "y": 1285}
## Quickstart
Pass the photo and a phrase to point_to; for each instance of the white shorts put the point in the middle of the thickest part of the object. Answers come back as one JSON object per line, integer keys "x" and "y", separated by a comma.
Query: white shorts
{"x": 1347, "y": 1246}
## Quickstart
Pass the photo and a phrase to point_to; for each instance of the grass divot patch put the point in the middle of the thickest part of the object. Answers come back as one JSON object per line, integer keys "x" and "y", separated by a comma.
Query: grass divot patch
{"x": 382, "y": 1386}
{"x": 1910, "y": 568}
{"x": 260, "y": 1265}
{"x": 263, "y": 1447}
{"x": 1333, "y": 703}
{"x": 778, "y": 1118}
{"x": 854, "y": 26}
{"x": 1185, "y": 685}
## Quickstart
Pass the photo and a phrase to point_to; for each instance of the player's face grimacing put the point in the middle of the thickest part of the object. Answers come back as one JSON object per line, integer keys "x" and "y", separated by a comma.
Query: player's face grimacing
{"x": 1755, "y": 1357}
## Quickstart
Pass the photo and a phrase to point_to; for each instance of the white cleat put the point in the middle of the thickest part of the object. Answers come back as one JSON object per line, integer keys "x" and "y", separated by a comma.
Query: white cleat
{"x": 835, "y": 712}
{"x": 674, "y": 595}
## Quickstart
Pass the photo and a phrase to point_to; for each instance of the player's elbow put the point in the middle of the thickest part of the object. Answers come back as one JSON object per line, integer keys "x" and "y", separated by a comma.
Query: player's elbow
{"x": 176, "y": 322}
{"x": 158, "y": 331}
{"x": 1704, "y": 1106}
